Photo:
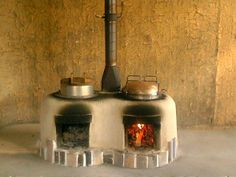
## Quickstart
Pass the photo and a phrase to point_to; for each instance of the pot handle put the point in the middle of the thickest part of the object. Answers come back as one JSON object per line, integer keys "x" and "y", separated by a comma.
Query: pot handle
{"x": 163, "y": 91}
{"x": 150, "y": 78}
{"x": 133, "y": 78}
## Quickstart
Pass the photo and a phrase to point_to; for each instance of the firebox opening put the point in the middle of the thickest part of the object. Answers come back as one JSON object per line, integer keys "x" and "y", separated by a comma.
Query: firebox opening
{"x": 73, "y": 131}
{"x": 73, "y": 135}
{"x": 142, "y": 125}
{"x": 142, "y": 135}
{"x": 72, "y": 127}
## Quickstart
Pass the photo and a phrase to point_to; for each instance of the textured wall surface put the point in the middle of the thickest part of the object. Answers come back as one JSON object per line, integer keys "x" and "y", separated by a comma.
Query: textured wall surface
{"x": 77, "y": 39}
{"x": 24, "y": 30}
{"x": 226, "y": 71}
{"x": 188, "y": 44}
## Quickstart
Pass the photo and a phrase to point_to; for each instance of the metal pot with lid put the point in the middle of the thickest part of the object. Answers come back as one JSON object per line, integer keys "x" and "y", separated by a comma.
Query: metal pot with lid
{"x": 142, "y": 88}
{"x": 76, "y": 87}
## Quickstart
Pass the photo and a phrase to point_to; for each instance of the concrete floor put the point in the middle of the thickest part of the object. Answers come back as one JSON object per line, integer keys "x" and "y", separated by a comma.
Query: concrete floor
{"x": 201, "y": 153}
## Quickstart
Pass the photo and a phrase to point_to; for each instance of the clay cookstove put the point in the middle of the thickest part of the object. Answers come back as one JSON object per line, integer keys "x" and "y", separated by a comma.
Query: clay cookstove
{"x": 134, "y": 127}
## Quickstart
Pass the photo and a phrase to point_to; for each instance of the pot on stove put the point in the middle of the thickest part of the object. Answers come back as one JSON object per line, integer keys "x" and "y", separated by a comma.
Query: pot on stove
{"x": 141, "y": 88}
{"x": 76, "y": 87}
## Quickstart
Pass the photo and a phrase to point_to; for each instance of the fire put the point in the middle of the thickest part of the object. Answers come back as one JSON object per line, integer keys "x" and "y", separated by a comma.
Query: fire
{"x": 141, "y": 135}
{"x": 140, "y": 126}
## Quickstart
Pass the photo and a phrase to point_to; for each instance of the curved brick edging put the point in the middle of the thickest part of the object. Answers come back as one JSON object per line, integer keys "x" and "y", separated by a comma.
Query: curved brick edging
{"x": 91, "y": 157}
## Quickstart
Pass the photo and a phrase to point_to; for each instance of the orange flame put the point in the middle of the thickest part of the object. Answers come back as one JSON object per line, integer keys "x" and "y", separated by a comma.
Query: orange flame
{"x": 141, "y": 135}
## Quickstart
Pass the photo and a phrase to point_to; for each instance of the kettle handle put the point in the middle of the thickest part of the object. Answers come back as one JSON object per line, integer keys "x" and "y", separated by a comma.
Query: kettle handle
{"x": 150, "y": 78}
{"x": 133, "y": 78}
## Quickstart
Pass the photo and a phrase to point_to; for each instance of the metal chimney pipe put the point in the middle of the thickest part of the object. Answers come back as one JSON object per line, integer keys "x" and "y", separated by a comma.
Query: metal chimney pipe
{"x": 110, "y": 78}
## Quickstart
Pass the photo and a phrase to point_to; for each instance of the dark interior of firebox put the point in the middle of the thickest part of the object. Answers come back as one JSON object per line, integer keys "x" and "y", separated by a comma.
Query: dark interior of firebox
{"x": 73, "y": 135}
{"x": 72, "y": 126}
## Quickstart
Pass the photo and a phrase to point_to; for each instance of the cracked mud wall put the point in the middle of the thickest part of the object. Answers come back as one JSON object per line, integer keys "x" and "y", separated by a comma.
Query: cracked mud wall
{"x": 43, "y": 41}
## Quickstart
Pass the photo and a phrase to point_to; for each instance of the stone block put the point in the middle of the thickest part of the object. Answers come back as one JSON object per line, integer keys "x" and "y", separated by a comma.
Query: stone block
{"x": 82, "y": 159}
{"x": 56, "y": 157}
{"x": 156, "y": 160}
{"x": 72, "y": 159}
{"x": 142, "y": 161}
{"x": 88, "y": 155}
{"x": 163, "y": 158}
{"x": 51, "y": 147}
{"x": 118, "y": 158}
{"x": 108, "y": 157}
{"x": 150, "y": 161}
{"x": 97, "y": 157}
{"x": 170, "y": 150}
{"x": 130, "y": 160}
{"x": 174, "y": 148}
{"x": 63, "y": 157}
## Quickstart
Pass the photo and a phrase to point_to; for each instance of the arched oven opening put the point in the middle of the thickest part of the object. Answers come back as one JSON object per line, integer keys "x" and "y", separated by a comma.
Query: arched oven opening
{"x": 72, "y": 126}
{"x": 142, "y": 125}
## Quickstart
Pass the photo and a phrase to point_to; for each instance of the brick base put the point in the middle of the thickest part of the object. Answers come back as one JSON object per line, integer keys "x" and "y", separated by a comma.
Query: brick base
{"x": 91, "y": 157}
